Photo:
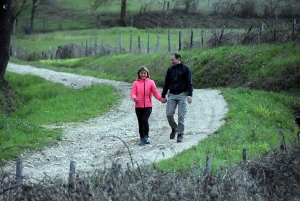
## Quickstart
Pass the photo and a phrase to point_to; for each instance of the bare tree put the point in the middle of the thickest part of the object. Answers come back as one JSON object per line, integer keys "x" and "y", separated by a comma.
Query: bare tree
{"x": 273, "y": 5}
{"x": 5, "y": 31}
{"x": 145, "y": 4}
{"x": 103, "y": 3}
{"x": 17, "y": 7}
{"x": 187, "y": 4}
{"x": 35, "y": 4}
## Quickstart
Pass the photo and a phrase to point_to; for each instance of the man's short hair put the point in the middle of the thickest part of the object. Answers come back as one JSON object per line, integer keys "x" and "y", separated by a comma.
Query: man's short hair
{"x": 176, "y": 55}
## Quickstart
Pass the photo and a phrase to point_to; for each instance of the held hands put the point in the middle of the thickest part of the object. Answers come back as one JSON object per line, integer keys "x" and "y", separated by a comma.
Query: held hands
{"x": 163, "y": 100}
{"x": 189, "y": 99}
{"x": 135, "y": 100}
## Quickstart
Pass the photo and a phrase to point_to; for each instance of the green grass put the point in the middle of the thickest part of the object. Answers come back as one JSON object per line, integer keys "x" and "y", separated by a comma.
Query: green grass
{"x": 269, "y": 67}
{"x": 17, "y": 136}
{"x": 49, "y": 103}
{"x": 255, "y": 119}
{"x": 133, "y": 6}
{"x": 108, "y": 37}
{"x": 254, "y": 122}
{"x": 42, "y": 103}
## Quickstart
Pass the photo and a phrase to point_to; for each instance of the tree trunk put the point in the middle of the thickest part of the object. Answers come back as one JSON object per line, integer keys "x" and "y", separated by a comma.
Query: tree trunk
{"x": 187, "y": 5}
{"x": 34, "y": 6}
{"x": 123, "y": 12}
{"x": 5, "y": 31}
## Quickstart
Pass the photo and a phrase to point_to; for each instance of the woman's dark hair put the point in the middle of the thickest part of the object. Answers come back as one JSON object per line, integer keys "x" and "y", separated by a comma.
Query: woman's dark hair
{"x": 145, "y": 69}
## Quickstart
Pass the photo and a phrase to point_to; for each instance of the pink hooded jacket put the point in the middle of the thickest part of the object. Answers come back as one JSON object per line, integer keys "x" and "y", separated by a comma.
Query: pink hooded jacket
{"x": 143, "y": 90}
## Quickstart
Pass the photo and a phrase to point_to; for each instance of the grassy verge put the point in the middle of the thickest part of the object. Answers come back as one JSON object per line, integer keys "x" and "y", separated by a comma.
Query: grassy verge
{"x": 256, "y": 118}
{"x": 264, "y": 67}
{"x": 41, "y": 102}
{"x": 17, "y": 136}
{"x": 257, "y": 121}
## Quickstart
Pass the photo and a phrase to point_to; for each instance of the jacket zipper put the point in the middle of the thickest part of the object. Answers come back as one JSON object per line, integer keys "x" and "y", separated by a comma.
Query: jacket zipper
{"x": 176, "y": 72}
{"x": 144, "y": 93}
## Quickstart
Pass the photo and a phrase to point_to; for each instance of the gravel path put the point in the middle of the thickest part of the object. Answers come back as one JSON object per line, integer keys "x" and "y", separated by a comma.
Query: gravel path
{"x": 95, "y": 142}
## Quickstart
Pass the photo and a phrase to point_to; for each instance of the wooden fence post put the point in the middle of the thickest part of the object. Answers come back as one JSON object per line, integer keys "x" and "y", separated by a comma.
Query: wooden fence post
{"x": 72, "y": 22}
{"x": 215, "y": 37}
{"x": 96, "y": 46}
{"x": 50, "y": 53}
{"x": 130, "y": 43}
{"x": 169, "y": 42}
{"x": 294, "y": 27}
{"x": 157, "y": 44}
{"x": 72, "y": 175}
{"x": 244, "y": 155}
{"x": 192, "y": 38}
{"x": 117, "y": 42}
{"x": 82, "y": 50}
{"x": 60, "y": 25}
{"x": 275, "y": 17}
{"x": 91, "y": 47}
{"x": 97, "y": 21}
{"x": 207, "y": 165}
{"x": 120, "y": 44}
{"x": 261, "y": 29}
{"x": 131, "y": 22}
{"x": 86, "y": 47}
{"x": 139, "y": 44}
{"x": 180, "y": 38}
{"x": 44, "y": 24}
{"x": 148, "y": 44}
{"x": 19, "y": 172}
{"x": 202, "y": 41}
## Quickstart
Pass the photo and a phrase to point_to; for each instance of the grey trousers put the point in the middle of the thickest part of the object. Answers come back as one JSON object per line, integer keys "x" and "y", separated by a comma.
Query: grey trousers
{"x": 179, "y": 100}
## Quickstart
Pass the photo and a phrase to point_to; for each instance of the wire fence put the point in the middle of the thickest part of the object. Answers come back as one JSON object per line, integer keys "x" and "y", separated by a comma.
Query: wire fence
{"x": 182, "y": 40}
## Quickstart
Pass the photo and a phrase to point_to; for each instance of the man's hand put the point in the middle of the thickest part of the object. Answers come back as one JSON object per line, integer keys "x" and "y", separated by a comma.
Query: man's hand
{"x": 163, "y": 100}
{"x": 189, "y": 99}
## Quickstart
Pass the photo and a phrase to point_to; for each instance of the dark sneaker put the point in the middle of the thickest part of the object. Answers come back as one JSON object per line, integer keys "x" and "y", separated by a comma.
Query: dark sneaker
{"x": 146, "y": 140}
{"x": 173, "y": 133}
{"x": 179, "y": 138}
{"x": 141, "y": 143}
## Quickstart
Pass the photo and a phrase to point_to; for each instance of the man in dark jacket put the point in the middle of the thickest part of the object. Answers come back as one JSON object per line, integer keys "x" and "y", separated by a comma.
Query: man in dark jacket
{"x": 178, "y": 82}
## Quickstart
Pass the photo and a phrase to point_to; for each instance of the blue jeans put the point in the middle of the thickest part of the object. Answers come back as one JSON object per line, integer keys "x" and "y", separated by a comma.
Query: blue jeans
{"x": 175, "y": 100}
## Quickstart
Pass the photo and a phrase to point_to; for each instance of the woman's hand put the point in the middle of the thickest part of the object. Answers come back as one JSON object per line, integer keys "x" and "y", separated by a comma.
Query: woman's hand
{"x": 135, "y": 100}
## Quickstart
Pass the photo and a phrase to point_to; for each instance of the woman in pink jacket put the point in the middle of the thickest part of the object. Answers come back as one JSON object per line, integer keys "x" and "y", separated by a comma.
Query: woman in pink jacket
{"x": 141, "y": 94}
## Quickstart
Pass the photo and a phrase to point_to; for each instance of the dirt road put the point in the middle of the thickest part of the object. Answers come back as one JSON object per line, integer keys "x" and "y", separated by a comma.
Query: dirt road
{"x": 93, "y": 143}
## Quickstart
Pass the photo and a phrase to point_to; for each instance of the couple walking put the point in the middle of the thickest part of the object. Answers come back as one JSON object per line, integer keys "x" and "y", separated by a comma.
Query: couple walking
{"x": 178, "y": 85}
